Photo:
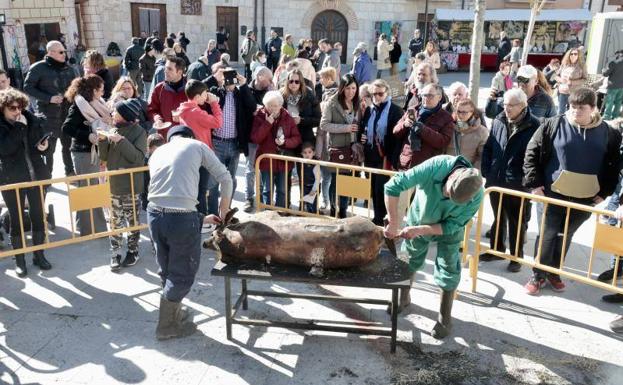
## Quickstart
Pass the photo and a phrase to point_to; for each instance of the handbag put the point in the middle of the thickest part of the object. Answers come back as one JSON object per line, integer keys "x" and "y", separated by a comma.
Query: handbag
{"x": 342, "y": 155}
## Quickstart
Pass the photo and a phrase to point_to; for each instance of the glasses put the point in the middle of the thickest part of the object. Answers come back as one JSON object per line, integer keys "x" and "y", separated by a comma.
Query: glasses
{"x": 509, "y": 105}
{"x": 463, "y": 112}
{"x": 379, "y": 94}
{"x": 294, "y": 81}
{"x": 429, "y": 96}
{"x": 522, "y": 80}
{"x": 14, "y": 108}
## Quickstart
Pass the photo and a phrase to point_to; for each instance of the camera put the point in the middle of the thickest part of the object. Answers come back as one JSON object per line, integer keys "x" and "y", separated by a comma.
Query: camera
{"x": 499, "y": 94}
{"x": 230, "y": 76}
{"x": 411, "y": 114}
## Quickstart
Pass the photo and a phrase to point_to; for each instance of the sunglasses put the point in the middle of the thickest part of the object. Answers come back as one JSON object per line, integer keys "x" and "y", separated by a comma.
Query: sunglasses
{"x": 294, "y": 81}
{"x": 379, "y": 94}
{"x": 521, "y": 79}
{"x": 14, "y": 108}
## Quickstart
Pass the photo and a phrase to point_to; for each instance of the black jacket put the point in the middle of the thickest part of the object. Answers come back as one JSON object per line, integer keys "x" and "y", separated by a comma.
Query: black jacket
{"x": 257, "y": 94}
{"x": 415, "y": 46}
{"x": 309, "y": 112}
{"x": 504, "y": 153}
{"x": 20, "y": 160}
{"x": 147, "y": 65}
{"x": 245, "y": 107}
{"x": 541, "y": 149}
{"x": 132, "y": 56}
{"x": 504, "y": 48}
{"x": 78, "y": 129}
{"x": 371, "y": 153}
{"x": 183, "y": 56}
{"x": 109, "y": 82}
{"x": 198, "y": 70}
{"x": 394, "y": 55}
{"x": 541, "y": 105}
{"x": 45, "y": 79}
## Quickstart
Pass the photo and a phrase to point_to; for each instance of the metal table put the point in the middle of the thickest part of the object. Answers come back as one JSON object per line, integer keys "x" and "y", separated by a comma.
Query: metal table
{"x": 387, "y": 272}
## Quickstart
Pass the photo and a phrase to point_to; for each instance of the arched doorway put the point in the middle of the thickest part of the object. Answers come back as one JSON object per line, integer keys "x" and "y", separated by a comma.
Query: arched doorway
{"x": 333, "y": 26}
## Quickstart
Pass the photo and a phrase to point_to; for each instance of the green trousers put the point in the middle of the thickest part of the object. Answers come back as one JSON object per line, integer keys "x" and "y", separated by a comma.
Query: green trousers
{"x": 614, "y": 99}
{"x": 447, "y": 272}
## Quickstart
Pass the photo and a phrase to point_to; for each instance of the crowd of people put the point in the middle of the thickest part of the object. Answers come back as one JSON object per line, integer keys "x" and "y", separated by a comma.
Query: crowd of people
{"x": 298, "y": 101}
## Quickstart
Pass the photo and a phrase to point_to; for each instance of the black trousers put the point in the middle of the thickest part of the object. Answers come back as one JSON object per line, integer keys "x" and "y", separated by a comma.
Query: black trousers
{"x": 377, "y": 184}
{"x": 551, "y": 249}
{"x": 509, "y": 219}
{"x": 35, "y": 209}
{"x": 66, "y": 153}
{"x": 247, "y": 73}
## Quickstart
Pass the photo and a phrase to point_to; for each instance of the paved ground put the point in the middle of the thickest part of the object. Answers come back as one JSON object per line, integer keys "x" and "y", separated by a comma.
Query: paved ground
{"x": 81, "y": 324}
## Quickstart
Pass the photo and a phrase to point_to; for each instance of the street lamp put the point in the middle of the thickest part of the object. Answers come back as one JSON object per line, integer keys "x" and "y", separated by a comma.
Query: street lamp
{"x": 5, "y": 63}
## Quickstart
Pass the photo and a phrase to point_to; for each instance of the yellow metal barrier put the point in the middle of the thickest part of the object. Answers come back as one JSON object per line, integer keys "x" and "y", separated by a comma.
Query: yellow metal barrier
{"x": 87, "y": 197}
{"x": 349, "y": 183}
{"x": 607, "y": 239}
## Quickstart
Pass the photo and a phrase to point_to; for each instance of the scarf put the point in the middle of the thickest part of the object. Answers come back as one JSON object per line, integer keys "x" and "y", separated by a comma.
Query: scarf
{"x": 508, "y": 82}
{"x": 425, "y": 113}
{"x": 381, "y": 126}
{"x": 97, "y": 115}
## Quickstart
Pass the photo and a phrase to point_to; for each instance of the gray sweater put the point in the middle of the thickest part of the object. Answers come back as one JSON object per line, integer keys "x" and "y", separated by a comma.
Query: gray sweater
{"x": 174, "y": 172}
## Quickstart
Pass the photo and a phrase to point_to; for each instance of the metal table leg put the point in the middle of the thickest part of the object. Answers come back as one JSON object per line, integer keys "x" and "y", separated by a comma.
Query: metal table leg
{"x": 244, "y": 295}
{"x": 394, "y": 320}
{"x": 228, "y": 309}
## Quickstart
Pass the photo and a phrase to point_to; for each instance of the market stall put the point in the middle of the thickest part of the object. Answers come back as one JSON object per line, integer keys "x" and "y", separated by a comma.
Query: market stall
{"x": 555, "y": 31}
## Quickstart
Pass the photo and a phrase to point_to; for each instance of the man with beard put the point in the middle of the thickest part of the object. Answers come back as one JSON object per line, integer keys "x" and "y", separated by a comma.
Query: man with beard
{"x": 47, "y": 81}
{"x": 423, "y": 75}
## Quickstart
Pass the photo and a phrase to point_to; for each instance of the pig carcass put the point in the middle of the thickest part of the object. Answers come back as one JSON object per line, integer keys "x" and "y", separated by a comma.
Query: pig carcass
{"x": 317, "y": 243}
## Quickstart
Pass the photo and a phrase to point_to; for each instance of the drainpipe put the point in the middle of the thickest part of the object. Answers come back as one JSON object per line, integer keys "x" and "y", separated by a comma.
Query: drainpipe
{"x": 255, "y": 18}
{"x": 263, "y": 25}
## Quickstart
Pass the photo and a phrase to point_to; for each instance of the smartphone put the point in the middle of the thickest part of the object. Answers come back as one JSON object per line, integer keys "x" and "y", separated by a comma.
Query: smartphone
{"x": 411, "y": 114}
{"x": 45, "y": 137}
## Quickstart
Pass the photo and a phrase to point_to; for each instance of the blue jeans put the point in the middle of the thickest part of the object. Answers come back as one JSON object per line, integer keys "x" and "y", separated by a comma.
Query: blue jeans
{"x": 563, "y": 101}
{"x": 228, "y": 153}
{"x": 278, "y": 185}
{"x": 343, "y": 201}
{"x": 146, "y": 91}
{"x": 325, "y": 184}
{"x": 249, "y": 175}
{"x": 612, "y": 204}
{"x": 177, "y": 240}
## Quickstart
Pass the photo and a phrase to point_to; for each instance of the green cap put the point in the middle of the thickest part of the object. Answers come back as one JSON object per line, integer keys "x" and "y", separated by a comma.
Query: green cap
{"x": 465, "y": 185}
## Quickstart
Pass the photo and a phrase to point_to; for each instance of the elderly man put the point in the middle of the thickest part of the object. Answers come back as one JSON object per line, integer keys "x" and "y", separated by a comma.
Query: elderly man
{"x": 456, "y": 92}
{"x": 573, "y": 157}
{"x": 502, "y": 165}
{"x": 175, "y": 224}
{"x": 363, "y": 66}
{"x": 423, "y": 75}
{"x": 541, "y": 104}
{"x": 47, "y": 81}
{"x": 448, "y": 194}
{"x": 168, "y": 95}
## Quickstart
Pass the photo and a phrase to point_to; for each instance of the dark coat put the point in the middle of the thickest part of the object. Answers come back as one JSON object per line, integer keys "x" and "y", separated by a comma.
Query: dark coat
{"x": 394, "y": 55}
{"x": 504, "y": 48}
{"x": 503, "y": 154}
{"x": 541, "y": 105}
{"x": 436, "y": 134}
{"x": 309, "y": 112}
{"x": 109, "y": 82}
{"x": 132, "y": 56}
{"x": 372, "y": 157}
{"x": 45, "y": 79}
{"x": 198, "y": 70}
{"x": 147, "y": 65}
{"x": 77, "y": 127}
{"x": 20, "y": 160}
{"x": 183, "y": 56}
{"x": 245, "y": 107}
{"x": 541, "y": 148}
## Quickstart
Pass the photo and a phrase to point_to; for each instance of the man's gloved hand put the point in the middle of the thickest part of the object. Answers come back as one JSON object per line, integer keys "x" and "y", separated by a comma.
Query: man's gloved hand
{"x": 414, "y": 137}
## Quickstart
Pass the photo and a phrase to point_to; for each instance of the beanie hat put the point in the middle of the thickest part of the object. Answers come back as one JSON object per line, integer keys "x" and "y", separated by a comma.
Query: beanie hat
{"x": 465, "y": 185}
{"x": 180, "y": 130}
{"x": 129, "y": 109}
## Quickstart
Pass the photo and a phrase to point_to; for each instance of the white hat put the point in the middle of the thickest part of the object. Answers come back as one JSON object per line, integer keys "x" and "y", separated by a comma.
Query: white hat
{"x": 528, "y": 72}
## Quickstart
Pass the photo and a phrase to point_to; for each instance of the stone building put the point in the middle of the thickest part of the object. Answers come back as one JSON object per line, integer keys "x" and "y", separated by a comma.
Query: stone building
{"x": 96, "y": 23}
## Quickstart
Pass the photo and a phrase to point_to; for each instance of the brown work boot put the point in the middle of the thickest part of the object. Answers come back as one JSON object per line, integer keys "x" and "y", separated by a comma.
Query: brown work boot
{"x": 443, "y": 327}
{"x": 171, "y": 323}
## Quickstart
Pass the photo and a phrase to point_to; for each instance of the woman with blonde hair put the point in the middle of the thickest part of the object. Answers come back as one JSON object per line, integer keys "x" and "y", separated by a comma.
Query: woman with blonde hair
{"x": 93, "y": 63}
{"x": 126, "y": 89}
{"x": 383, "y": 47}
{"x": 432, "y": 55}
{"x": 570, "y": 76}
{"x": 470, "y": 133}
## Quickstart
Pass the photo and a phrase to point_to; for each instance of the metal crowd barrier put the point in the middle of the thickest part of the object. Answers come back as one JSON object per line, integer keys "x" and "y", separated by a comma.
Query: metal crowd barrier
{"x": 606, "y": 238}
{"x": 87, "y": 197}
{"x": 349, "y": 183}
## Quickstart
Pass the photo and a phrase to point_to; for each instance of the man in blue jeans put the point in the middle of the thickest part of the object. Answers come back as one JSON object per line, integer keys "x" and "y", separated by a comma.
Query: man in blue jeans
{"x": 175, "y": 223}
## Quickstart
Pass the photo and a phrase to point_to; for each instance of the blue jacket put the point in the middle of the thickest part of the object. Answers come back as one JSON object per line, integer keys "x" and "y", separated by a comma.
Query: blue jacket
{"x": 541, "y": 105}
{"x": 363, "y": 68}
{"x": 503, "y": 154}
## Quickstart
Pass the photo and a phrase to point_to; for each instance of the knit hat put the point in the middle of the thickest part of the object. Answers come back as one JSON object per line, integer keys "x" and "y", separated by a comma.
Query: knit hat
{"x": 465, "y": 185}
{"x": 180, "y": 130}
{"x": 129, "y": 109}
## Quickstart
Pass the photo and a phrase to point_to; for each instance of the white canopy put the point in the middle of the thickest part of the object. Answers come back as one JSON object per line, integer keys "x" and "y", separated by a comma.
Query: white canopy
{"x": 515, "y": 14}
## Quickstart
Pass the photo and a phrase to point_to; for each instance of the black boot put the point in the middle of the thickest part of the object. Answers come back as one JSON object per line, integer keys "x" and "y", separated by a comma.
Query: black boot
{"x": 170, "y": 323}
{"x": 38, "y": 238}
{"x": 444, "y": 321}
{"x": 20, "y": 261}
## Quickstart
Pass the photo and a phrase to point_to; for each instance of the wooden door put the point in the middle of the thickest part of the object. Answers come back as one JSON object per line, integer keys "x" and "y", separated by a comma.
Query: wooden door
{"x": 228, "y": 17}
{"x": 149, "y": 17}
{"x": 331, "y": 25}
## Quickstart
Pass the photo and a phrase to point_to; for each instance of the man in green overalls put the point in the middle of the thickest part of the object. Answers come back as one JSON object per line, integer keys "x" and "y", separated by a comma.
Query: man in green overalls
{"x": 448, "y": 194}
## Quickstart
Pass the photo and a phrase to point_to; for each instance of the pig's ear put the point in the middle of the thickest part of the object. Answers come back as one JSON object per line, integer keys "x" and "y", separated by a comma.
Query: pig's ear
{"x": 229, "y": 216}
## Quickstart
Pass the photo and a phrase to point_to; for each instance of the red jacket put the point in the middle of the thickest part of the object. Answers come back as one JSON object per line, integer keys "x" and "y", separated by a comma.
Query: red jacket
{"x": 436, "y": 135}
{"x": 264, "y": 134}
{"x": 201, "y": 122}
{"x": 165, "y": 99}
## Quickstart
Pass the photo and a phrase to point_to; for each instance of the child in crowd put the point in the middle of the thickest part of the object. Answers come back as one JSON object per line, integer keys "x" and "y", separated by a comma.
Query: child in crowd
{"x": 123, "y": 148}
{"x": 310, "y": 179}
{"x": 192, "y": 115}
